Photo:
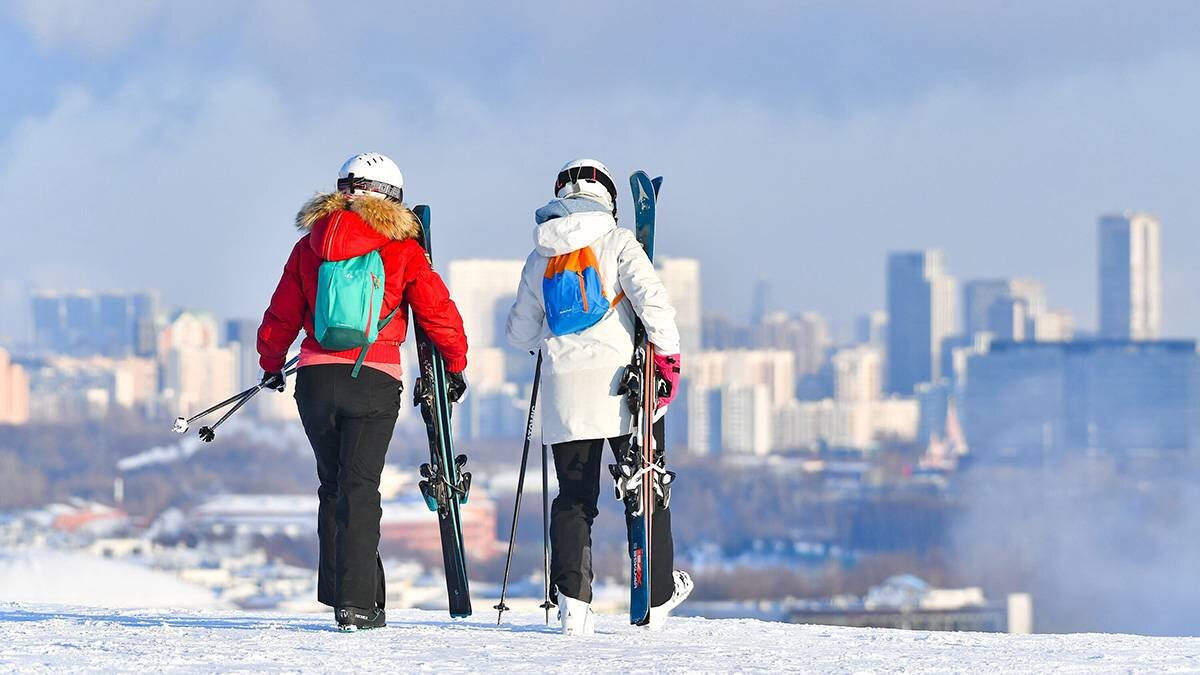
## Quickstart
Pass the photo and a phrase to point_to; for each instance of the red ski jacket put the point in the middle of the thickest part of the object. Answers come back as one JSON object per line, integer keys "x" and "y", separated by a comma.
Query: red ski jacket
{"x": 340, "y": 228}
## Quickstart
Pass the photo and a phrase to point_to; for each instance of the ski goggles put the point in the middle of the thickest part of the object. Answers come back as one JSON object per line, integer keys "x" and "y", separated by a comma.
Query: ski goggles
{"x": 351, "y": 183}
{"x": 578, "y": 173}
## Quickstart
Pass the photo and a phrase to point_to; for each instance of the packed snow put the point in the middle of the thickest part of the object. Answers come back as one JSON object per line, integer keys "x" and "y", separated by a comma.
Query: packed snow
{"x": 82, "y": 579}
{"x": 49, "y": 638}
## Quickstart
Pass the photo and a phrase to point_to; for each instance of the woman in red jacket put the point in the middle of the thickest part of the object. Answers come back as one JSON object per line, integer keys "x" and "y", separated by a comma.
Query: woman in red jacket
{"x": 349, "y": 420}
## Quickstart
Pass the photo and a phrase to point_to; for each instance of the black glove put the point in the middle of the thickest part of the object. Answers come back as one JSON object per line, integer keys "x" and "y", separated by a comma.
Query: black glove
{"x": 274, "y": 381}
{"x": 456, "y": 386}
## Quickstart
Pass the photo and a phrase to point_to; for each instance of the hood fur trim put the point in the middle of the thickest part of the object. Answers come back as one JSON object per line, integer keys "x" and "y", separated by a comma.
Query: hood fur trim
{"x": 392, "y": 220}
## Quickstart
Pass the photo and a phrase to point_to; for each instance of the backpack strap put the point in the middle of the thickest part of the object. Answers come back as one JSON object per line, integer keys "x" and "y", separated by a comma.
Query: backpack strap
{"x": 362, "y": 353}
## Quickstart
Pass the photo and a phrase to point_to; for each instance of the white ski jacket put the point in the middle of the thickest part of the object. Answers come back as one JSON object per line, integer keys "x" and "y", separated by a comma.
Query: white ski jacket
{"x": 582, "y": 371}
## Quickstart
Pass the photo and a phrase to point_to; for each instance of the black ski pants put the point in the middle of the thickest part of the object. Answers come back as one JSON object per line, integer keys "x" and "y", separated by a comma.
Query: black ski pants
{"x": 349, "y": 422}
{"x": 578, "y": 466}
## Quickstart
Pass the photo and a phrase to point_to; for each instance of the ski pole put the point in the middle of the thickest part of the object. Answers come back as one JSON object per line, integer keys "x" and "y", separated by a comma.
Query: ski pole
{"x": 182, "y": 424}
{"x": 512, "y": 533}
{"x": 207, "y": 434}
{"x": 546, "y": 604}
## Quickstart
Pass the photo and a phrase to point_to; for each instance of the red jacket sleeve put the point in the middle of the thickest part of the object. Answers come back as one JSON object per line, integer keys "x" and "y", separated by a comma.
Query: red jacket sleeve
{"x": 285, "y": 316}
{"x": 435, "y": 312}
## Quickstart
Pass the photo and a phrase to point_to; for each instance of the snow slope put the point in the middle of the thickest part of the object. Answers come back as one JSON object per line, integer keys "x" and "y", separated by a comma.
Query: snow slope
{"x": 41, "y": 575}
{"x": 49, "y": 638}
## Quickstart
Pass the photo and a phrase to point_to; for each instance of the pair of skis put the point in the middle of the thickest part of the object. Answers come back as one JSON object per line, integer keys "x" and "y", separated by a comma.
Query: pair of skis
{"x": 444, "y": 485}
{"x": 640, "y": 477}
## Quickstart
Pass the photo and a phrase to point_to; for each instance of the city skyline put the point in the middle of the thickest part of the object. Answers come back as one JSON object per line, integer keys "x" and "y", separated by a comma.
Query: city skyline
{"x": 1029, "y": 291}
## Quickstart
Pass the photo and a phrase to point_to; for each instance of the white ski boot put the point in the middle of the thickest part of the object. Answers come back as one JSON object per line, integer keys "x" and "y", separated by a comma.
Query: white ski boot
{"x": 576, "y": 616}
{"x": 683, "y": 588}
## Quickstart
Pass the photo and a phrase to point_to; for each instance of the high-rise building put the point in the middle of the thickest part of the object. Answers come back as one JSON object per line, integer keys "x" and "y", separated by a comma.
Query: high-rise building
{"x": 871, "y": 328}
{"x": 1031, "y": 400}
{"x": 196, "y": 371}
{"x": 774, "y": 370}
{"x": 484, "y": 291}
{"x": 1052, "y": 326}
{"x": 858, "y": 374}
{"x": 746, "y": 420}
{"x": 14, "y": 392}
{"x": 145, "y": 322}
{"x": 719, "y": 332}
{"x": 1008, "y": 309}
{"x": 681, "y": 276}
{"x": 115, "y": 324}
{"x": 806, "y": 336}
{"x": 49, "y": 321}
{"x": 760, "y": 304}
{"x": 82, "y": 324}
{"x": 1130, "y": 277}
{"x": 921, "y": 313}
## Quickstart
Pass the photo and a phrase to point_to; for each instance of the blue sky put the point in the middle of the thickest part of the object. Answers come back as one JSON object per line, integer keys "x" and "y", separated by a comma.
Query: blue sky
{"x": 168, "y": 145}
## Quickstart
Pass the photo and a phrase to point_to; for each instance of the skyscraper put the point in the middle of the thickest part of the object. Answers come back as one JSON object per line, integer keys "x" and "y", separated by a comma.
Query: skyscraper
{"x": 871, "y": 328}
{"x": 1006, "y": 308}
{"x": 484, "y": 291}
{"x": 115, "y": 329}
{"x": 82, "y": 324}
{"x": 49, "y": 320}
{"x": 681, "y": 276}
{"x": 922, "y": 312}
{"x": 1130, "y": 277}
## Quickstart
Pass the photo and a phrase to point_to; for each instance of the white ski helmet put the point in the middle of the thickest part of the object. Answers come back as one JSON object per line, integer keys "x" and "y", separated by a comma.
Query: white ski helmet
{"x": 371, "y": 174}
{"x": 588, "y": 178}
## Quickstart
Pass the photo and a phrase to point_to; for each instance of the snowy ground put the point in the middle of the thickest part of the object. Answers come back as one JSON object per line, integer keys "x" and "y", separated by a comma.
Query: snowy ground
{"x": 49, "y": 638}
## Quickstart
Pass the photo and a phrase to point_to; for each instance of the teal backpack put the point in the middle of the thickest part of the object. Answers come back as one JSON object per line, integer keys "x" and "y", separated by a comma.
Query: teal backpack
{"x": 349, "y": 298}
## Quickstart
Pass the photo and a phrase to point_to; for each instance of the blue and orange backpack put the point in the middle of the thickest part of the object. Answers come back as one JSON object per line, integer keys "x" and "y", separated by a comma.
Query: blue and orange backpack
{"x": 573, "y": 292}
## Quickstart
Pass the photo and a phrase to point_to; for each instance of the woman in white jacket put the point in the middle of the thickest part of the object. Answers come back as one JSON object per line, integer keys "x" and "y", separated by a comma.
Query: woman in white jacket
{"x": 582, "y": 371}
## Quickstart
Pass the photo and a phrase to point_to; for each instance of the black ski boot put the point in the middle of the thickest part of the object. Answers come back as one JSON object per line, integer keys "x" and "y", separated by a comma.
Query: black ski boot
{"x": 355, "y": 618}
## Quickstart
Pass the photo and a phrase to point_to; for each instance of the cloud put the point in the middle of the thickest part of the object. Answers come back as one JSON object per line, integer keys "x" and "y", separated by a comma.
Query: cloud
{"x": 108, "y": 27}
{"x": 183, "y": 173}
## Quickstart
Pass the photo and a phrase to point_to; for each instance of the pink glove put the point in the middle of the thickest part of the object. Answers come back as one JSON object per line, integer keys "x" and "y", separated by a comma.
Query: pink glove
{"x": 667, "y": 366}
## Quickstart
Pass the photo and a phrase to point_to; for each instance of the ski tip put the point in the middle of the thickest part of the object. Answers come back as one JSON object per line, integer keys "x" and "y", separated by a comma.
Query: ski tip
{"x": 657, "y": 183}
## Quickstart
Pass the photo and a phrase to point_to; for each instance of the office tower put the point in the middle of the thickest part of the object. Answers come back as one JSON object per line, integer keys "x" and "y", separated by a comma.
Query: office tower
{"x": 196, "y": 371}
{"x": 115, "y": 324}
{"x": 746, "y": 420}
{"x": 145, "y": 322}
{"x": 82, "y": 323}
{"x": 1037, "y": 399}
{"x": 871, "y": 328}
{"x": 858, "y": 374}
{"x": 49, "y": 320}
{"x": 921, "y": 313}
{"x": 484, "y": 291}
{"x": 1006, "y": 308}
{"x": 1053, "y": 326}
{"x": 719, "y": 332}
{"x": 806, "y": 336}
{"x": 681, "y": 276}
{"x": 774, "y": 370}
{"x": 1130, "y": 280}
{"x": 760, "y": 304}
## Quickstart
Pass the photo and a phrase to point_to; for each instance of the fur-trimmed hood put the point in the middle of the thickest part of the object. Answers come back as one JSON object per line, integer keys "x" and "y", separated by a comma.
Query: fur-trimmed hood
{"x": 343, "y": 228}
